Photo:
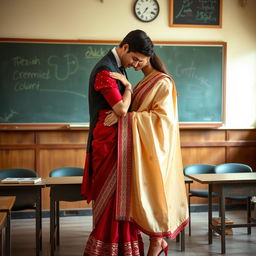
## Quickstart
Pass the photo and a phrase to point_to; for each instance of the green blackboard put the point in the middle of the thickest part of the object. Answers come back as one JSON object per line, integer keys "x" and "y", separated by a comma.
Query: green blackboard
{"x": 47, "y": 82}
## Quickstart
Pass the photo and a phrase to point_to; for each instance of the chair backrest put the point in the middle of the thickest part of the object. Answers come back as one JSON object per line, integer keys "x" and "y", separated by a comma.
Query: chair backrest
{"x": 21, "y": 202}
{"x": 232, "y": 167}
{"x": 17, "y": 173}
{"x": 67, "y": 171}
{"x": 199, "y": 169}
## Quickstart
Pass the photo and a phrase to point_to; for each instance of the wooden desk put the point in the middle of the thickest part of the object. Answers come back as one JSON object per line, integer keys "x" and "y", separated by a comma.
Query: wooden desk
{"x": 61, "y": 189}
{"x": 229, "y": 184}
{"x": 6, "y": 204}
{"x": 34, "y": 192}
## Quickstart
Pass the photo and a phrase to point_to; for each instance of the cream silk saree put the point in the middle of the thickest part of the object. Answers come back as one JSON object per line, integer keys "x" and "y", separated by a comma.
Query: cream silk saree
{"x": 150, "y": 183}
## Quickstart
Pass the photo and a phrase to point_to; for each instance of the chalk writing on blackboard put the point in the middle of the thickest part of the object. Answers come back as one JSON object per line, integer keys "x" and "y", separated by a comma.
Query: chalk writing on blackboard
{"x": 71, "y": 63}
{"x": 21, "y": 61}
{"x": 8, "y": 116}
{"x": 185, "y": 9}
{"x": 196, "y": 12}
{"x": 64, "y": 91}
{"x": 191, "y": 72}
{"x": 93, "y": 52}
{"x": 204, "y": 12}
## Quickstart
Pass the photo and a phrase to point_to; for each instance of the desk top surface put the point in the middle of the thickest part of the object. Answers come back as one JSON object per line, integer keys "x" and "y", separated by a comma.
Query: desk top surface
{"x": 211, "y": 178}
{"x": 7, "y": 202}
{"x": 70, "y": 180}
{"x": 38, "y": 184}
{"x": 50, "y": 181}
{"x": 188, "y": 180}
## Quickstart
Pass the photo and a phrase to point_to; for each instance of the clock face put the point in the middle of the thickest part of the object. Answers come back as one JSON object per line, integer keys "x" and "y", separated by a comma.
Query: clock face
{"x": 146, "y": 10}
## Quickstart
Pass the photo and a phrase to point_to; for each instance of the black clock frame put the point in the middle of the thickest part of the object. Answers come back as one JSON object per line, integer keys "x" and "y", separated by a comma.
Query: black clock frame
{"x": 134, "y": 10}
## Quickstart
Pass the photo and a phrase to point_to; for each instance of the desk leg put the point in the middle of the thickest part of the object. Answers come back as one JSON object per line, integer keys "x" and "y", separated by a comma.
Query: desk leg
{"x": 38, "y": 222}
{"x": 223, "y": 224}
{"x": 209, "y": 213}
{"x": 52, "y": 224}
{"x": 8, "y": 235}
{"x": 57, "y": 215}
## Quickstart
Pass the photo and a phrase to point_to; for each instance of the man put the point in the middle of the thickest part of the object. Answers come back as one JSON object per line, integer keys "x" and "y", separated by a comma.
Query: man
{"x": 110, "y": 236}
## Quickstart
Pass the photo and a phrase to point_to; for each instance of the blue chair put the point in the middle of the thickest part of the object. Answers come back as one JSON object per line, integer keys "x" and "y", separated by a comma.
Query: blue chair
{"x": 197, "y": 169}
{"x": 237, "y": 168}
{"x": 232, "y": 168}
{"x": 21, "y": 203}
{"x": 67, "y": 171}
{"x": 64, "y": 172}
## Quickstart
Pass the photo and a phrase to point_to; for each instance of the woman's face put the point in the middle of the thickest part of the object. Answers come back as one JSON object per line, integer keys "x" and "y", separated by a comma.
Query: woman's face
{"x": 133, "y": 59}
{"x": 143, "y": 64}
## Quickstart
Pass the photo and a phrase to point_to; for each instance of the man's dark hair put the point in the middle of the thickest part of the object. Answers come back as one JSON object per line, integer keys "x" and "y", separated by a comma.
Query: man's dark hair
{"x": 138, "y": 41}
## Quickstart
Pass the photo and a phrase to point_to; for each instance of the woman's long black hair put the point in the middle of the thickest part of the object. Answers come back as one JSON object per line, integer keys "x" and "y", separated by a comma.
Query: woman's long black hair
{"x": 157, "y": 63}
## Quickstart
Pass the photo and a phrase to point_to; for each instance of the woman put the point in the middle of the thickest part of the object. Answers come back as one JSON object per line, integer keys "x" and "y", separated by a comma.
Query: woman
{"x": 151, "y": 190}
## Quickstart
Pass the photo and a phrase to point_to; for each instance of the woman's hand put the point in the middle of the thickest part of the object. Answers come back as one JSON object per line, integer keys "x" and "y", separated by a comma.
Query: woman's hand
{"x": 110, "y": 119}
{"x": 121, "y": 78}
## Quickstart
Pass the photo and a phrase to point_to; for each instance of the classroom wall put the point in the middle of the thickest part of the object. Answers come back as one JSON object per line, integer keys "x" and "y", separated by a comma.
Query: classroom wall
{"x": 113, "y": 19}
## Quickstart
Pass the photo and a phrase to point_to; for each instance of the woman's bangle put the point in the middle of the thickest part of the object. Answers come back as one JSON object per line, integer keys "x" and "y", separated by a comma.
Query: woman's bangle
{"x": 129, "y": 89}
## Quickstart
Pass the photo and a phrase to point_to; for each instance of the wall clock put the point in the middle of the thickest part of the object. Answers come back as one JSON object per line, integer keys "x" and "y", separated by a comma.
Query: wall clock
{"x": 146, "y": 10}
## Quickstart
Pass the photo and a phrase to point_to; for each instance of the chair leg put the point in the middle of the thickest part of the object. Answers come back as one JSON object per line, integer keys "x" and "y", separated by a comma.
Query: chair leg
{"x": 219, "y": 208}
{"x": 249, "y": 214}
{"x": 182, "y": 245}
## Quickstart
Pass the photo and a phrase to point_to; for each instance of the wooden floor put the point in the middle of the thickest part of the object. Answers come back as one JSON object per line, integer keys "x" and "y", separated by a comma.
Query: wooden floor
{"x": 75, "y": 231}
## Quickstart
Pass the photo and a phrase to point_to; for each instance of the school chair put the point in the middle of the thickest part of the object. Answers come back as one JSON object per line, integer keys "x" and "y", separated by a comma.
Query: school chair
{"x": 22, "y": 202}
{"x": 64, "y": 172}
{"x": 237, "y": 168}
{"x": 202, "y": 193}
{"x": 67, "y": 171}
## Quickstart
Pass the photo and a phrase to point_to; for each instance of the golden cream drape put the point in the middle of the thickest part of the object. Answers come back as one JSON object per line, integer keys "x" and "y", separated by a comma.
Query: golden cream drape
{"x": 158, "y": 193}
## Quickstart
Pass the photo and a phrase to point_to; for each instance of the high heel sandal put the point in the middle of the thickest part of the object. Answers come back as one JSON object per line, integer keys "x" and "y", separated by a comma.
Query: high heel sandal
{"x": 164, "y": 249}
{"x": 163, "y": 245}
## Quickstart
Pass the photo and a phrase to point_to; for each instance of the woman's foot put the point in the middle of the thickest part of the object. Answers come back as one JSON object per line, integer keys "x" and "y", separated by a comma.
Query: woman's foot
{"x": 157, "y": 246}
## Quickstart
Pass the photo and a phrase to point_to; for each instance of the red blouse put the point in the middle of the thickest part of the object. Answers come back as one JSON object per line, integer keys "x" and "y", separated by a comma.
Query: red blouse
{"x": 108, "y": 87}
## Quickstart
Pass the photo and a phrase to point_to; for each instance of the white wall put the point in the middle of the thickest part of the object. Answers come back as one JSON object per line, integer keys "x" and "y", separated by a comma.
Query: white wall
{"x": 113, "y": 19}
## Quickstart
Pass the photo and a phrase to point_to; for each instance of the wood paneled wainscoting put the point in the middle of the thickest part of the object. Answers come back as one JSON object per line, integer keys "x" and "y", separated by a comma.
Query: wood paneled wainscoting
{"x": 45, "y": 148}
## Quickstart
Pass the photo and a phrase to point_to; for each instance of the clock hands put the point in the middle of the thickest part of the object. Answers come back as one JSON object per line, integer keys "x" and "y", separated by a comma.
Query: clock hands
{"x": 145, "y": 10}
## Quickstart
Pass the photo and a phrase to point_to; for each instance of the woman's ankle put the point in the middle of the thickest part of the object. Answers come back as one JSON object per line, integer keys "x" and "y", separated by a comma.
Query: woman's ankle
{"x": 155, "y": 246}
